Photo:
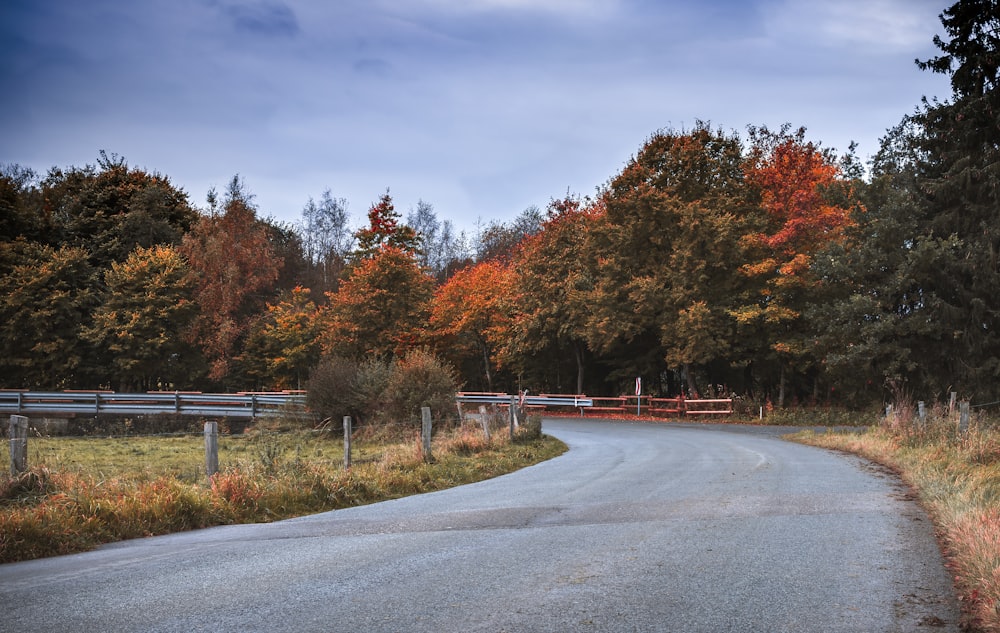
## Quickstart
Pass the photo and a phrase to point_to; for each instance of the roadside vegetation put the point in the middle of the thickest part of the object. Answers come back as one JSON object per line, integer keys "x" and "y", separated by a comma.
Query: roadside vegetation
{"x": 956, "y": 475}
{"x": 84, "y": 492}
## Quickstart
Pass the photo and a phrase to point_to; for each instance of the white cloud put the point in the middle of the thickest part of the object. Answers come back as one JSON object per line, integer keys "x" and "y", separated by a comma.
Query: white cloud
{"x": 890, "y": 25}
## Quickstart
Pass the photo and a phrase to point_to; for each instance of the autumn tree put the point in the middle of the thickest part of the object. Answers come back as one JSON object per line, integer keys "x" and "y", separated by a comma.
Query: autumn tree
{"x": 807, "y": 205}
{"x": 668, "y": 251}
{"x": 46, "y": 299}
{"x": 384, "y": 230}
{"x": 112, "y": 208}
{"x": 472, "y": 312}
{"x": 233, "y": 267}
{"x": 555, "y": 276}
{"x": 381, "y": 308}
{"x": 147, "y": 304}
{"x": 283, "y": 344}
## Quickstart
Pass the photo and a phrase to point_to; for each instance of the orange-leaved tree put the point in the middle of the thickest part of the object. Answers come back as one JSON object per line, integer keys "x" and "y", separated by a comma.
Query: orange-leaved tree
{"x": 471, "y": 315}
{"x": 233, "y": 264}
{"x": 380, "y": 309}
{"x": 283, "y": 344}
{"x": 807, "y": 204}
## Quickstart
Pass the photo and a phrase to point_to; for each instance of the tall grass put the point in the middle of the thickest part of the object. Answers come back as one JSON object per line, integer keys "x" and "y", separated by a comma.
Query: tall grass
{"x": 83, "y": 493}
{"x": 957, "y": 477}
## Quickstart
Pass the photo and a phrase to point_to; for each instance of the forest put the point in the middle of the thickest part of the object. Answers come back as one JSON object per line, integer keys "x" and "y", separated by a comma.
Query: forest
{"x": 760, "y": 265}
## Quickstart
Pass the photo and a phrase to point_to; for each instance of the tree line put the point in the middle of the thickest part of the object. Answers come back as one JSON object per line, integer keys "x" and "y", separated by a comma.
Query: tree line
{"x": 761, "y": 264}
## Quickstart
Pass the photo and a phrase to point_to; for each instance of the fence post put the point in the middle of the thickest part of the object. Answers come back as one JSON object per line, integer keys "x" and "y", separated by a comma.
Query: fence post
{"x": 921, "y": 412}
{"x": 347, "y": 442}
{"x": 951, "y": 402}
{"x": 963, "y": 417}
{"x": 425, "y": 427}
{"x": 485, "y": 421}
{"x": 211, "y": 448}
{"x": 18, "y": 445}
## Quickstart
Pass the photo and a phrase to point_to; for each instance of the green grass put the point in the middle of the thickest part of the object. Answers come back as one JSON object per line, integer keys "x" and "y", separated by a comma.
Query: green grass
{"x": 80, "y": 493}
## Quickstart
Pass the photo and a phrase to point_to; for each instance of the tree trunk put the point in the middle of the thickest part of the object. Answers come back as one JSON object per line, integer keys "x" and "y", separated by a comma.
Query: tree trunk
{"x": 486, "y": 365}
{"x": 781, "y": 389}
{"x": 689, "y": 377}
{"x": 578, "y": 353}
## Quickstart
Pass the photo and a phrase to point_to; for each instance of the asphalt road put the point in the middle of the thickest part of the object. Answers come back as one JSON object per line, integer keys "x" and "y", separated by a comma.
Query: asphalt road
{"x": 639, "y": 527}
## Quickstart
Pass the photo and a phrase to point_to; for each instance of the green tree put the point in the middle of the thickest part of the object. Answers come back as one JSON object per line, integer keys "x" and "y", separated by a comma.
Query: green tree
{"x": 46, "y": 299}
{"x": 919, "y": 287}
{"x": 668, "y": 252}
{"x": 139, "y": 325}
{"x": 554, "y": 283}
{"x": 114, "y": 209}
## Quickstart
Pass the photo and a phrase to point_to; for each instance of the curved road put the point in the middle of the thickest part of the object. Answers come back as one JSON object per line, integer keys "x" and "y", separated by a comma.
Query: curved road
{"x": 639, "y": 527}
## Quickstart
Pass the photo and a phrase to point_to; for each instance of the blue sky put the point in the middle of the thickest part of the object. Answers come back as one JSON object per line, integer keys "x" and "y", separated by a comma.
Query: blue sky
{"x": 481, "y": 108}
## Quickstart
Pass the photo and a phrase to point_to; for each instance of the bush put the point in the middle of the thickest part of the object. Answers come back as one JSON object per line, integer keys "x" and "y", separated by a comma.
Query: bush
{"x": 420, "y": 379}
{"x": 373, "y": 390}
{"x": 330, "y": 389}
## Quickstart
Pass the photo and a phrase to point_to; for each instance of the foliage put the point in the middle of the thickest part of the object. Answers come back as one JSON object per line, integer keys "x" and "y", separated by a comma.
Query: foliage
{"x": 380, "y": 309}
{"x": 472, "y": 312}
{"x": 668, "y": 250}
{"x": 232, "y": 266}
{"x": 112, "y": 210}
{"x": 554, "y": 283}
{"x": 137, "y": 328}
{"x": 283, "y": 344}
{"x": 420, "y": 379}
{"x": 375, "y": 390}
{"x": 797, "y": 182}
{"x": 46, "y": 299}
{"x": 384, "y": 230}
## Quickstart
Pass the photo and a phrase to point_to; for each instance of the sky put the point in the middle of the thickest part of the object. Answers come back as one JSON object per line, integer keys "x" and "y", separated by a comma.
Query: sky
{"x": 481, "y": 108}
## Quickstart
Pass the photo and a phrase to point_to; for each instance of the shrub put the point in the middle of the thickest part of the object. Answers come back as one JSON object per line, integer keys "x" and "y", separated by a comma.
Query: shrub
{"x": 420, "y": 379}
{"x": 330, "y": 389}
{"x": 530, "y": 430}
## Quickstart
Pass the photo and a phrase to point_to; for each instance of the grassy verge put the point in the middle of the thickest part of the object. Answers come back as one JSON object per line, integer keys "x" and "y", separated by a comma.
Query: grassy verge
{"x": 957, "y": 477}
{"x": 81, "y": 493}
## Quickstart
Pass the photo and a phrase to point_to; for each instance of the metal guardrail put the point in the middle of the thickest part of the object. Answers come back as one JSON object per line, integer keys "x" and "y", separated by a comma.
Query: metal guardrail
{"x": 527, "y": 401}
{"x": 93, "y": 403}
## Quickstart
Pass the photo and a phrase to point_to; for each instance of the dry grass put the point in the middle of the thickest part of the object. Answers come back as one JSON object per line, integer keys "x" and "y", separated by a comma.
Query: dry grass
{"x": 957, "y": 476}
{"x": 81, "y": 493}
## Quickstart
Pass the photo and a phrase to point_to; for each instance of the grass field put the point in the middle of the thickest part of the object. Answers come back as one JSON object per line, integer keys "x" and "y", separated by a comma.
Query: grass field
{"x": 82, "y": 492}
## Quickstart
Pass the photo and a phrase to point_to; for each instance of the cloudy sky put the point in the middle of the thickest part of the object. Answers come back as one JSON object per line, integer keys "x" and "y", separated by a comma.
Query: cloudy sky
{"x": 481, "y": 108}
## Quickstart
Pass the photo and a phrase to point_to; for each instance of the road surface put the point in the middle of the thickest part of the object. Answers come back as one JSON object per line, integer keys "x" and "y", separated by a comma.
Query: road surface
{"x": 639, "y": 527}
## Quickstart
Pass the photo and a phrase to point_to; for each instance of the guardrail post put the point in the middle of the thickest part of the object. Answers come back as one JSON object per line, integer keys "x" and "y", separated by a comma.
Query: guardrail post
{"x": 211, "y": 448}
{"x": 513, "y": 416}
{"x": 484, "y": 419}
{"x": 18, "y": 445}
{"x": 425, "y": 428}
{"x": 347, "y": 442}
